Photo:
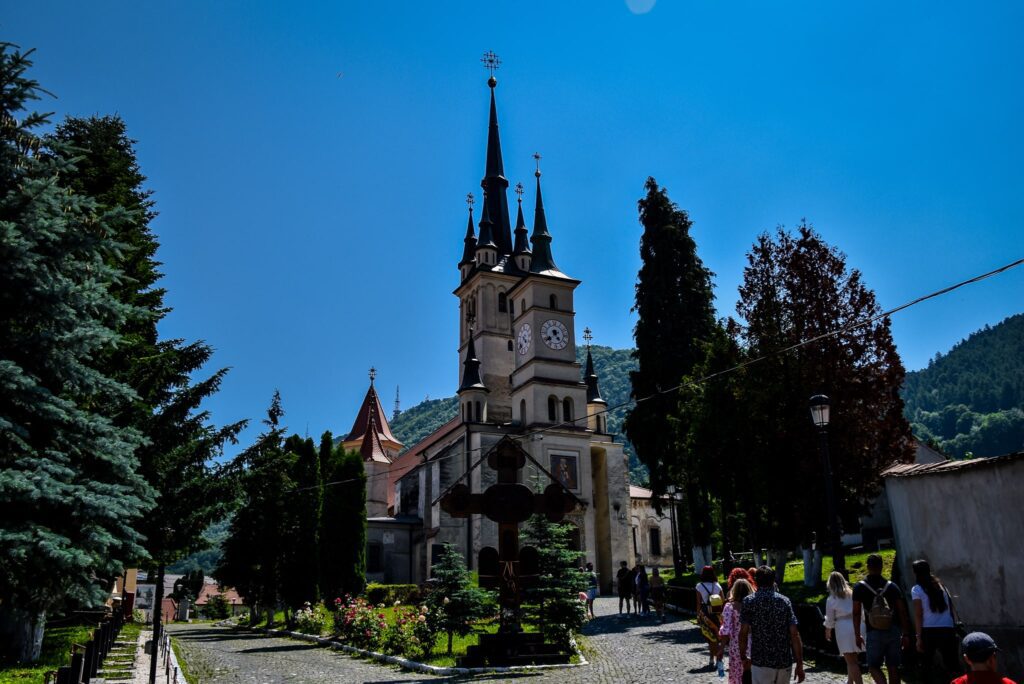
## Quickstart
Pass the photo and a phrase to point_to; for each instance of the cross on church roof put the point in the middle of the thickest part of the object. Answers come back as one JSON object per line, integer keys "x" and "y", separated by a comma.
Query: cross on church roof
{"x": 373, "y": 374}
{"x": 587, "y": 336}
{"x": 537, "y": 158}
{"x": 470, "y": 200}
{"x": 519, "y": 191}
{"x": 490, "y": 62}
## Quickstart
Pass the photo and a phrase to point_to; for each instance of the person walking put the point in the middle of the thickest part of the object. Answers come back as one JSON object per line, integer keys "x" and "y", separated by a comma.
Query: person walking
{"x": 658, "y": 593}
{"x": 935, "y": 622}
{"x": 591, "y": 588}
{"x": 625, "y": 585}
{"x": 980, "y": 653}
{"x": 839, "y": 625}
{"x": 888, "y": 624}
{"x": 769, "y": 641}
{"x": 710, "y": 603}
{"x": 729, "y": 634}
{"x": 643, "y": 590}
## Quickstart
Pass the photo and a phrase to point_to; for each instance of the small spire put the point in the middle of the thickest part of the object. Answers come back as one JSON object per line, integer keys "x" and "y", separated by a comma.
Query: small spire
{"x": 541, "y": 238}
{"x": 589, "y": 376}
{"x": 471, "y": 368}
{"x": 373, "y": 374}
{"x": 486, "y": 227}
{"x": 469, "y": 251}
{"x": 522, "y": 245}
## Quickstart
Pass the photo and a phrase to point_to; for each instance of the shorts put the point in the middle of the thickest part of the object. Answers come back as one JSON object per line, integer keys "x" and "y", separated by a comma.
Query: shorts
{"x": 591, "y": 593}
{"x": 770, "y": 675}
{"x": 884, "y": 647}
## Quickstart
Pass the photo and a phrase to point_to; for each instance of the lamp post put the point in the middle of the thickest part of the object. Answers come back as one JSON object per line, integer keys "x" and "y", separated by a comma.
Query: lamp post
{"x": 820, "y": 416}
{"x": 671, "y": 491}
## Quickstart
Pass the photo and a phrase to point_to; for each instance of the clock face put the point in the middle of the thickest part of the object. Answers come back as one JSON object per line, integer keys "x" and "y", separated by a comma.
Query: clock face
{"x": 555, "y": 334}
{"x": 524, "y": 338}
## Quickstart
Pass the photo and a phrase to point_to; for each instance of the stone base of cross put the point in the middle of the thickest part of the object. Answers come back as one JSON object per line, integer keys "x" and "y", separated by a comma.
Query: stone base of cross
{"x": 509, "y": 568}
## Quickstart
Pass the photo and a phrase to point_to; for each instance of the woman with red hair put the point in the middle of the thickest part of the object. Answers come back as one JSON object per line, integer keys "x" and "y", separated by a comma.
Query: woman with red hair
{"x": 737, "y": 574}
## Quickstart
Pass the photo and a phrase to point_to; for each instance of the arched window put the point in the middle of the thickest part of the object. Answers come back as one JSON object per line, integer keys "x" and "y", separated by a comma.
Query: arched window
{"x": 502, "y": 302}
{"x": 552, "y": 408}
{"x": 510, "y": 345}
{"x": 512, "y": 307}
{"x": 522, "y": 305}
{"x": 522, "y": 412}
{"x": 553, "y": 301}
{"x": 567, "y": 409}
{"x": 479, "y": 413}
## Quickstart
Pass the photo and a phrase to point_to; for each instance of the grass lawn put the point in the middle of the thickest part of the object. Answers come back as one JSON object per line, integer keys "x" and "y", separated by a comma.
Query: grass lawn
{"x": 793, "y": 583}
{"x": 56, "y": 653}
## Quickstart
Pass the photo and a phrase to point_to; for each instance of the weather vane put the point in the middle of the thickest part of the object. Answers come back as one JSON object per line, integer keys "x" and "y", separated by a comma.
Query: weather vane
{"x": 490, "y": 62}
{"x": 536, "y": 158}
{"x": 470, "y": 200}
{"x": 519, "y": 191}
{"x": 587, "y": 336}
{"x": 373, "y": 374}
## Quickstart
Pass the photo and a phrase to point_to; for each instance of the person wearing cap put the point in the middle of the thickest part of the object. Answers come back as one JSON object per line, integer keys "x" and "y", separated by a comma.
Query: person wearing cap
{"x": 980, "y": 653}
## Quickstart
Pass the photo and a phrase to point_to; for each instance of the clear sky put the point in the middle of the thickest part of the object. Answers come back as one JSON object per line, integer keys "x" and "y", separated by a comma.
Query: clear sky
{"x": 310, "y": 160}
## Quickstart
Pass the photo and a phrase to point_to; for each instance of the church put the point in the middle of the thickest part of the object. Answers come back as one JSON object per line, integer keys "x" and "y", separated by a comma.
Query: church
{"x": 517, "y": 377}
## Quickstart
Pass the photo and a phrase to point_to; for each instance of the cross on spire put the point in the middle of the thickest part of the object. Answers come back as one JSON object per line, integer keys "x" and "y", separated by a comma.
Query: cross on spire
{"x": 491, "y": 62}
{"x": 519, "y": 191}
{"x": 470, "y": 200}
{"x": 587, "y": 336}
{"x": 373, "y": 374}
{"x": 537, "y": 158}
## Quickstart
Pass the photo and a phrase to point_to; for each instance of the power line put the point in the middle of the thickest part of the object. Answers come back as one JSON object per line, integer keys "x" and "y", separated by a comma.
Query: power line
{"x": 711, "y": 376}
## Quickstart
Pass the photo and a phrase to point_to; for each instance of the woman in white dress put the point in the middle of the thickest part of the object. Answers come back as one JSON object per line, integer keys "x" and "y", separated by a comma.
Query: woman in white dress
{"x": 839, "y": 624}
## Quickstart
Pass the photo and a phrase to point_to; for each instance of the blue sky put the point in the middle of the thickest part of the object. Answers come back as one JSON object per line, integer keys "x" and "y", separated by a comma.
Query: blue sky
{"x": 310, "y": 160}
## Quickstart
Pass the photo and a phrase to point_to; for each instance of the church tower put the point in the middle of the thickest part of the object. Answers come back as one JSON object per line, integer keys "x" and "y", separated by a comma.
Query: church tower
{"x": 488, "y": 271}
{"x": 371, "y": 437}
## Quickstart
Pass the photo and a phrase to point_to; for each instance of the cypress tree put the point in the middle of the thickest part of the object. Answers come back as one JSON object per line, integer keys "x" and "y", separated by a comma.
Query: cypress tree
{"x": 674, "y": 303}
{"x": 70, "y": 491}
{"x": 305, "y": 509}
{"x": 343, "y": 528}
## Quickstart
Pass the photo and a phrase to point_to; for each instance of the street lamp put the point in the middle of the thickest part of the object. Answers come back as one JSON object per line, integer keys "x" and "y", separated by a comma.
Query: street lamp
{"x": 820, "y": 417}
{"x": 671, "y": 491}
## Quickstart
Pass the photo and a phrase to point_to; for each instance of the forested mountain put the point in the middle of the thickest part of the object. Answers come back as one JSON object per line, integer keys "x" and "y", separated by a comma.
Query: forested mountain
{"x": 612, "y": 367}
{"x": 971, "y": 400}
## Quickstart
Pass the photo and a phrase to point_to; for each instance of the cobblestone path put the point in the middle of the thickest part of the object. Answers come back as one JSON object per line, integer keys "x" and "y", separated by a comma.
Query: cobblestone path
{"x": 621, "y": 650}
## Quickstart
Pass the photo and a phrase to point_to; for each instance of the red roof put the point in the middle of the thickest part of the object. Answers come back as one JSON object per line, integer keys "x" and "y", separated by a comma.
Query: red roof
{"x": 371, "y": 429}
{"x": 210, "y": 590}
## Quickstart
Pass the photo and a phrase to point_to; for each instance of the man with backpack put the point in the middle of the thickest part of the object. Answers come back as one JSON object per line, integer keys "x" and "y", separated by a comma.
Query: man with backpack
{"x": 888, "y": 624}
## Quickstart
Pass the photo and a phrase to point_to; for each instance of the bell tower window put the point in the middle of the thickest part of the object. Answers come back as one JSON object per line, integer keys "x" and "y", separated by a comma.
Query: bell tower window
{"x": 553, "y": 301}
{"x": 552, "y": 409}
{"x": 502, "y": 302}
{"x": 567, "y": 409}
{"x": 522, "y": 412}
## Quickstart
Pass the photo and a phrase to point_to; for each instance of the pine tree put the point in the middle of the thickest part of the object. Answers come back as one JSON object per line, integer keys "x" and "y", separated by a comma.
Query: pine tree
{"x": 796, "y": 287}
{"x": 343, "y": 530}
{"x": 454, "y": 603}
{"x": 70, "y": 492}
{"x": 305, "y": 503}
{"x": 558, "y": 612}
{"x": 674, "y": 303}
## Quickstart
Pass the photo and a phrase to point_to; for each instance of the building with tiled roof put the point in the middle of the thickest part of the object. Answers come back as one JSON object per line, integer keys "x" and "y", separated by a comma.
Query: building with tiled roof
{"x": 371, "y": 436}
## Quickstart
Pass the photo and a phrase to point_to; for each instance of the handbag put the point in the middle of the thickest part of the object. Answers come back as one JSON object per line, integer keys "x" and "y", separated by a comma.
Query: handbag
{"x": 959, "y": 628}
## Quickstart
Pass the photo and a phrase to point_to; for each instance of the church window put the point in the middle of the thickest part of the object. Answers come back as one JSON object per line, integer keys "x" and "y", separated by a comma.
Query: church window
{"x": 552, "y": 409}
{"x": 510, "y": 345}
{"x": 567, "y": 409}
{"x": 502, "y": 302}
{"x": 522, "y": 305}
{"x": 553, "y": 301}
{"x": 522, "y": 412}
{"x": 479, "y": 413}
{"x": 512, "y": 307}
{"x": 655, "y": 534}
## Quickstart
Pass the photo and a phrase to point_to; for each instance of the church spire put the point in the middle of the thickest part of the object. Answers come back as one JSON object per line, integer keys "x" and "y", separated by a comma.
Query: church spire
{"x": 522, "y": 245}
{"x": 471, "y": 369}
{"x": 542, "y": 260}
{"x": 589, "y": 376}
{"x": 494, "y": 182}
{"x": 469, "y": 251}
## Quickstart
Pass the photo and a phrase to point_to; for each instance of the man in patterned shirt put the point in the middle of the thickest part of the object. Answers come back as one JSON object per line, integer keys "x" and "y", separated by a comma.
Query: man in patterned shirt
{"x": 768, "y": 618}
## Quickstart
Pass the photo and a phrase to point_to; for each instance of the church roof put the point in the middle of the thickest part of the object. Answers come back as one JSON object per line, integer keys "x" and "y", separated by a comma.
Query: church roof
{"x": 371, "y": 420}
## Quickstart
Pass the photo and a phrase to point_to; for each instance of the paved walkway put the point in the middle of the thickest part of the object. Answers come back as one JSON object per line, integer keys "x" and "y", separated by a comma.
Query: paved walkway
{"x": 622, "y": 650}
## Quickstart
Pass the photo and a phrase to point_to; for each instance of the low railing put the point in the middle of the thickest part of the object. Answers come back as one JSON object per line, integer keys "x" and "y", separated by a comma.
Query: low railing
{"x": 87, "y": 658}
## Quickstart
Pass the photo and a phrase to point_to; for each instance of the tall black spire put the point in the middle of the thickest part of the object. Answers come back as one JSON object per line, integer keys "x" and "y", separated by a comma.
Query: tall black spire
{"x": 494, "y": 183}
{"x": 590, "y": 377}
{"x": 469, "y": 251}
{"x": 541, "y": 238}
{"x": 471, "y": 369}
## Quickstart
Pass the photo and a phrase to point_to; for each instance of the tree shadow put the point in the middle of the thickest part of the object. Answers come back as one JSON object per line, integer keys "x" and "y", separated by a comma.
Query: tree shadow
{"x": 280, "y": 649}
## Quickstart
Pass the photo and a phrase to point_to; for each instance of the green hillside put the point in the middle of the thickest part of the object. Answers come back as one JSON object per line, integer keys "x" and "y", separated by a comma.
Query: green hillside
{"x": 971, "y": 400}
{"x": 612, "y": 367}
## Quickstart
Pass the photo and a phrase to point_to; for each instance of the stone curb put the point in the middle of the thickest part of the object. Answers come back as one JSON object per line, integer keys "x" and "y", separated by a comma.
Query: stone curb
{"x": 415, "y": 666}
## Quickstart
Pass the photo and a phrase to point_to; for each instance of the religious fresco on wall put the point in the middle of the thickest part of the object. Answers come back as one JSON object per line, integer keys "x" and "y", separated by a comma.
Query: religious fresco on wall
{"x": 564, "y": 468}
